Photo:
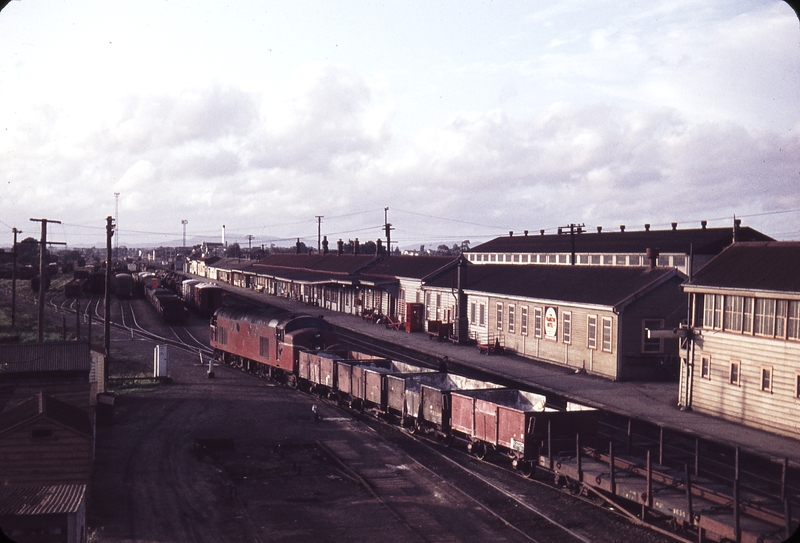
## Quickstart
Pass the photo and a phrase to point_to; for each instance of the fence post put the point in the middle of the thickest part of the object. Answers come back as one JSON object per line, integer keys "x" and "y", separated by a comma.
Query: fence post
{"x": 611, "y": 465}
{"x": 689, "y": 511}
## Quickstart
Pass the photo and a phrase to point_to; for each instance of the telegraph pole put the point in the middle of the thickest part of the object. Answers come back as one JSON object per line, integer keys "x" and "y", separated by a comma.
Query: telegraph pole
{"x": 116, "y": 218}
{"x": 387, "y": 225}
{"x": 573, "y": 229}
{"x": 14, "y": 279}
{"x": 43, "y": 273}
{"x": 107, "y": 320}
{"x": 319, "y": 233}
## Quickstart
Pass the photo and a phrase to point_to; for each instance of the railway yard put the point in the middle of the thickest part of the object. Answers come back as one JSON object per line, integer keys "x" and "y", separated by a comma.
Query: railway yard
{"x": 241, "y": 458}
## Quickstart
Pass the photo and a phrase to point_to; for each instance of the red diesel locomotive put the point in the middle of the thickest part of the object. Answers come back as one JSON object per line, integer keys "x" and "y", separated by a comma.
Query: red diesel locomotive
{"x": 267, "y": 341}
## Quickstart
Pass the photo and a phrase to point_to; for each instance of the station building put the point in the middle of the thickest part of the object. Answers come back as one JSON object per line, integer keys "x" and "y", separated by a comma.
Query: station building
{"x": 742, "y": 361}
{"x": 686, "y": 249}
{"x": 584, "y": 318}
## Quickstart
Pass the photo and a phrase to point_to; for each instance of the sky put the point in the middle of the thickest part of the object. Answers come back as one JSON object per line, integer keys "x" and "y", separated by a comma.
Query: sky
{"x": 465, "y": 119}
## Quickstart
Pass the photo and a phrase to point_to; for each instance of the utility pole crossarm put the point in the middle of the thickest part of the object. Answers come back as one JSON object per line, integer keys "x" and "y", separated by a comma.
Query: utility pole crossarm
{"x": 42, "y": 274}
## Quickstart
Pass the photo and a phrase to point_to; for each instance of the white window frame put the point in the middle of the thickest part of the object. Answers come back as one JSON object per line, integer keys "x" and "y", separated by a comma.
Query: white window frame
{"x": 591, "y": 331}
{"x": 566, "y": 327}
{"x": 524, "y": 323}
{"x": 647, "y": 324}
{"x": 607, "y": 323}
{"x": 482, "y": 315}
{"x": 512, "y": 309}
{"x": 499, "y": 316}
{"x": 705, "y": 367}
{"x": 537, "y": 322}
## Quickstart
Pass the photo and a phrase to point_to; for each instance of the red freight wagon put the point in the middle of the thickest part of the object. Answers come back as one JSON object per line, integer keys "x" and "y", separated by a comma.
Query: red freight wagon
{"x": 427, "y": 399}
{"x": 518, "y": 423}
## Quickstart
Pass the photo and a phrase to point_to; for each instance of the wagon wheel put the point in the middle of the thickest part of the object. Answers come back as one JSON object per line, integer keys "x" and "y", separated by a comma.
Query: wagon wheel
{"x": 447, "y": 440}
{"x": 415, "y": 428}
{"x": 291, "y": 381}
{"x": 479, "y": 450}
{"x": 526, "y": 469}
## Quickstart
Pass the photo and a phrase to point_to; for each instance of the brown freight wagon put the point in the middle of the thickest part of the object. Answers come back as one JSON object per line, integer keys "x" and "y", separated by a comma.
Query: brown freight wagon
{"x": 365, "y": 383}
{"x": 518, "y": 424}
{"x": 427, "y": 400}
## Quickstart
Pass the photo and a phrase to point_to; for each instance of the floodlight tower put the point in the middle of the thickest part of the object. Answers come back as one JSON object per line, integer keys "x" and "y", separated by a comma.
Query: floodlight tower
{"x": 184, "y": 222}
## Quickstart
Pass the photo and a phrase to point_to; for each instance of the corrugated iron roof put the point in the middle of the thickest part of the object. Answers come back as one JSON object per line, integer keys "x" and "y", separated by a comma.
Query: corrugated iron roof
{"x": 331, "y": 262}
{"x": 699, "y": 240}
{"x": 41, "y": 500}
{"x": 56, "y": 356}
{"x": 770, "y": 266}
{"x": 598, "y": 285}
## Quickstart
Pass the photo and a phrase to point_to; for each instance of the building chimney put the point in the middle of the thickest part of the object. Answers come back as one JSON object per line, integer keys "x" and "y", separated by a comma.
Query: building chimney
{"x": 559, "y": 230}
{"x": 703, "y": 224}
{"x": 674, "y": 226}
{"x": 379, "y": 247}
{"x": 599, "y": 229}
{"x": 652, "y": 255}
{"x": 736, "y": 224}
{"x": 621, "y": 227}
{"x": 647, "y": 227}
{"x": 541, "y": 231}
{"x": 511, "y": 233}
{"x": 339, "y": 247}
{"x": 223, "y": 236}
{"x": 325, "y": 245}
{"x": 525, "y": 232}
{"x": 355, "y": 246}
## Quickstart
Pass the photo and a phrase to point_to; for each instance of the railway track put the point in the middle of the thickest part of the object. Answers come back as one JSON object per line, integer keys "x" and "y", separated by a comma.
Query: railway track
{"x": 690, "y": 484}
{"x": 723, "y": 477}
{"x": 501, "y": 491}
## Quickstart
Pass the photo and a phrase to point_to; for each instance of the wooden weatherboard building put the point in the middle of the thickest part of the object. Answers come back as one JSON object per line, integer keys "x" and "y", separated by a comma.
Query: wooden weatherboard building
{"x": 587, "y": 318}
{"x": 743, "y": 360}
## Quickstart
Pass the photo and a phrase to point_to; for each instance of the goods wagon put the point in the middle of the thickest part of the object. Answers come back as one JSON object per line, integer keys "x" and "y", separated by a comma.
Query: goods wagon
{"x": 518, "y": 424}
{"x": 124, "y": 286}
{"x": 207, "y": 298}
{"x": 167, "y": 304}
{"x": 427, "y": 403}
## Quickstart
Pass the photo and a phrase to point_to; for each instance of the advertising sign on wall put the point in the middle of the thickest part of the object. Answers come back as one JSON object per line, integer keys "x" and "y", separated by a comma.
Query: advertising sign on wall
{"x": 551, "y": 323}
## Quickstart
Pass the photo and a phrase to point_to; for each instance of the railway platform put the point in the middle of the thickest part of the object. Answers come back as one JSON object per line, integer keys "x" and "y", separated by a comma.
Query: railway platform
{"x": 652, "y": 402}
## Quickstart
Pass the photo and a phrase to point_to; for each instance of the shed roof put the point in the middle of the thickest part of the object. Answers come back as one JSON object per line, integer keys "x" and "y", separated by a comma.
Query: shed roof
{"x": 770, "y": 266}
{"x": 44, "y": 405}
{"x": 331, "y": 262}
{"x": 41, "y": 500}
{"x": 55, "y": 356}
{"x": 610, "y": 286}
{"x": 414, "y": 267}
{"x": 698, "y": 240}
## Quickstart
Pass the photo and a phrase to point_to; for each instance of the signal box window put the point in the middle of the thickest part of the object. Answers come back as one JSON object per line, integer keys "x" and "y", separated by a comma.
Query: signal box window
{"x": 735, "y": 372}
{"x": 705, "y": 367}
{"x": 766, "y": 378}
